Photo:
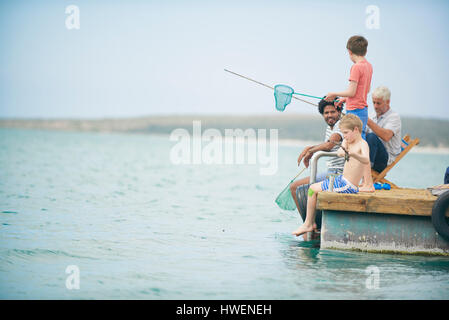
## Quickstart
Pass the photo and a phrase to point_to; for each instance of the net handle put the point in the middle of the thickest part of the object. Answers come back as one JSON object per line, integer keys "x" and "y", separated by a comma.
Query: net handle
{"x": 307, "y": 95}
{"x": 298, "y": 174}
{"x": 265, "y": 85}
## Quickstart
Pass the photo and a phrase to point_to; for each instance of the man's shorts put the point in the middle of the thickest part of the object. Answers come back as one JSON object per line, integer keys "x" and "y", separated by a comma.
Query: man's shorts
{"x": 341, "y": 185}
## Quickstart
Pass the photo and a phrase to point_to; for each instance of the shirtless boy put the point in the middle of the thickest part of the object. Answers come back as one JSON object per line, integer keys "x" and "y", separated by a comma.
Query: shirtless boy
{"x": 356, "y": 151}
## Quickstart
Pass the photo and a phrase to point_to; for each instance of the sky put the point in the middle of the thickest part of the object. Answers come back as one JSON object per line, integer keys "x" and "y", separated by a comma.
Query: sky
{"x": 139, "y": 58}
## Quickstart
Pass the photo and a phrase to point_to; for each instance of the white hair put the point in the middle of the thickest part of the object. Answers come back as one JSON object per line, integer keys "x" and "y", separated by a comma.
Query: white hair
{"x": 382, "y": 93}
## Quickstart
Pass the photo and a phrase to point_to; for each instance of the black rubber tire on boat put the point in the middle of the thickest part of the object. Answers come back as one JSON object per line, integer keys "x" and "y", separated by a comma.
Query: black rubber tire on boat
{"x": 301, "y": 194}
{"x": 439, "y": 220}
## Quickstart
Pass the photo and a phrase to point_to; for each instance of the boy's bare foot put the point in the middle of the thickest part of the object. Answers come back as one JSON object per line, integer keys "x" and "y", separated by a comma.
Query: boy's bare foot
{"x": 367, "y": 188}
{"x": 302, "y": 229}
{"x": 313, "y": 234}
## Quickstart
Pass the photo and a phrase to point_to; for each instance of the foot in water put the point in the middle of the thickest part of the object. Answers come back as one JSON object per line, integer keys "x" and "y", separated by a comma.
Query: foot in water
{"x": 304, "y": 229}
{"x": 313, "y": 235}
{"x": 367, "y": 188}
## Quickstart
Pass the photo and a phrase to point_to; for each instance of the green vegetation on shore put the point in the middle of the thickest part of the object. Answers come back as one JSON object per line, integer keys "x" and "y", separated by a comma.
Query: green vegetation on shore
{"x": 431, "y": 132}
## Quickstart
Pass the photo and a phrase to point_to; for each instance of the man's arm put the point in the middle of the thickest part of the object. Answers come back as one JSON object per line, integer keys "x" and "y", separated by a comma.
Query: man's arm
{"x": 384, "y": 134}
{"x": 304, "y": 153}
{"x": 325, "y": 146}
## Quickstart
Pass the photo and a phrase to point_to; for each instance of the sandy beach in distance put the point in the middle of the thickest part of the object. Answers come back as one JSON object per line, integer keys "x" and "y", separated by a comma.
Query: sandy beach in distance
{"x": 309, "y": 127}
{"x": 417, "y": 149}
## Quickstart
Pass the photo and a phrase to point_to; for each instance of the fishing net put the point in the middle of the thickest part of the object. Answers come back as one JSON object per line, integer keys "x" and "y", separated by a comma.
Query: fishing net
{"x": 285, "y": 200}
{"x": 283, "y": 96}
{"x": 282, "y": 93}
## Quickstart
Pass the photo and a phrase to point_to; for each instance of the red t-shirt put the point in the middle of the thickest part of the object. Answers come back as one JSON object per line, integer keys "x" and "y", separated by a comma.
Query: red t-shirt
{"x": 361, "y": 72}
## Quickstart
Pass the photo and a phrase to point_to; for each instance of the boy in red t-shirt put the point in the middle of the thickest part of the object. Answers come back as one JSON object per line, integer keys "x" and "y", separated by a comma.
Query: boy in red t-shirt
{"x": 356, "y": 94}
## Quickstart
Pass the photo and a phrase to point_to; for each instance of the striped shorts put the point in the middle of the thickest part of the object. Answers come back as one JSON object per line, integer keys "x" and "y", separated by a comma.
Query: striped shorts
{"x": 341, "y": 185}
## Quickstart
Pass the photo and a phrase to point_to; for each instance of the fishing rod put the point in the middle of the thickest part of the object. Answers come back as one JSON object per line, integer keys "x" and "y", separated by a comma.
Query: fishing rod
{"x": 340, "y": 144}
{"x": 272, "y": 88}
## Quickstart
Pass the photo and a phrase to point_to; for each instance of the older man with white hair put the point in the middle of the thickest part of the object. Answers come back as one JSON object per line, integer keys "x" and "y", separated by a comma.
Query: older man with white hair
{"x": 384, "y": 131}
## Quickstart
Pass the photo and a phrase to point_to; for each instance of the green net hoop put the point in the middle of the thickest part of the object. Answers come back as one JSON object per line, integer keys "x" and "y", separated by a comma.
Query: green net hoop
{"x": 283, "y": 96}
{"x": 285, "y": 200}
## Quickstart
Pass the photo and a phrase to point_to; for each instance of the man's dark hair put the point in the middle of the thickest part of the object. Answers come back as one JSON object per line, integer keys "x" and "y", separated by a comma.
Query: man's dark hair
{"x": 323, "y": 104}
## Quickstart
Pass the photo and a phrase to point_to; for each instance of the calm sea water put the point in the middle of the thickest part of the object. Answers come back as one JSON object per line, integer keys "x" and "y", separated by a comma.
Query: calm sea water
{"x": 139, "y": 227}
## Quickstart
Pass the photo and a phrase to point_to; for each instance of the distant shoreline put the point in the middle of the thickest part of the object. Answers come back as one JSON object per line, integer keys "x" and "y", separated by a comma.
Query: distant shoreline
{"x": 433, "y": 134}
{"x": 282, "y": 142}
{"x": 416, "y": 149}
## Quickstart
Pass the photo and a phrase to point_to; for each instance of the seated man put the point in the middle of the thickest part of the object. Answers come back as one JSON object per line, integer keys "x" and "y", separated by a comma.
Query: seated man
{"x": 384, "y": 131}
{"x": 333, "y": 137}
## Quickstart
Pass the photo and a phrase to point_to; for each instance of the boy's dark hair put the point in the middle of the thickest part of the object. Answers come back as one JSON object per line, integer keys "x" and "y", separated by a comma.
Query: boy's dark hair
{"x": 323, "y": 104}
{"x": 358, "y": 45}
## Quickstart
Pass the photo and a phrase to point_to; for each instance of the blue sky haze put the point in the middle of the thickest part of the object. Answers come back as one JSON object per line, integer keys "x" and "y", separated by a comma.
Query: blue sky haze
{"x": 136, "y": 58}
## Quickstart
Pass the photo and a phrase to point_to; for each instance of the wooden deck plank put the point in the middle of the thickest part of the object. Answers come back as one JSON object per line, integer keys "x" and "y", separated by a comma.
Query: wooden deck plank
{"x": 396, "y": 201}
